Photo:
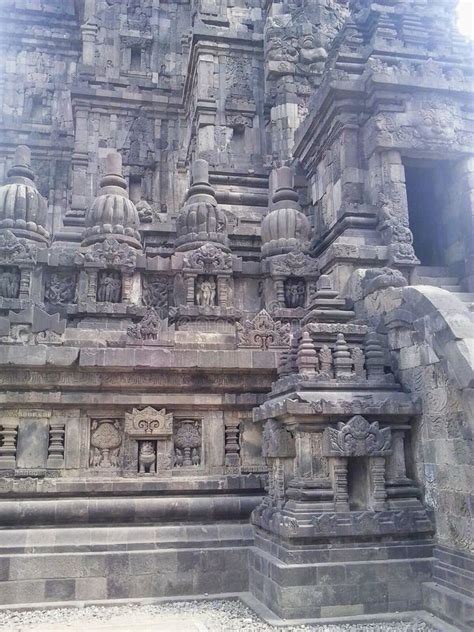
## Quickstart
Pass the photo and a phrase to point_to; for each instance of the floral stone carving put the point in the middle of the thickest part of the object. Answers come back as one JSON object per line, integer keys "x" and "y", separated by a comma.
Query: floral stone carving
{"x": 148, "y": 423}
{"x": 16, "y": 251}
{"x": 262, "y": 332}
{"x": 106, "y": 441}
{"x": 357, "y": 437}
{"x": 108, "y": 253}
{"x": 187, "y": 443}
{"x": 208, "y": 258}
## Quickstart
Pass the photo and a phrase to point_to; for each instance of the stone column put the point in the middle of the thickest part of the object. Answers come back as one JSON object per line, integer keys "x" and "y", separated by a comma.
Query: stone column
{"x": 8, "y": 434}
{"x": 388, "y": 192}
{"x": 81, "y": 191}
{"x": 465, "y": 169}
{"x": 338, "y": 468}
{"x": 396, "y": 466}
{"x": 377, "y": 492}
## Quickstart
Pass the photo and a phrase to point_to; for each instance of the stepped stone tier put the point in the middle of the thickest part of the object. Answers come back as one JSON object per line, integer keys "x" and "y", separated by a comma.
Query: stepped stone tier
{"x": 236, "y": 304}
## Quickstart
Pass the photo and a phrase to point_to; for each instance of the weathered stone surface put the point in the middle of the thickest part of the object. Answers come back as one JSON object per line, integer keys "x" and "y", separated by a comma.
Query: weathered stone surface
{"x": 235, "y": 262}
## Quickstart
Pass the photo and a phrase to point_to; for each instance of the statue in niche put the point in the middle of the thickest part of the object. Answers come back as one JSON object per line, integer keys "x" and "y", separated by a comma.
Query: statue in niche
{"x": 109, "y": 286}
{"x": 206, "y": 291}
{"x": 146, "y": 457}
{"x": 9, "y": 282}
{"x": 295, "y": 292}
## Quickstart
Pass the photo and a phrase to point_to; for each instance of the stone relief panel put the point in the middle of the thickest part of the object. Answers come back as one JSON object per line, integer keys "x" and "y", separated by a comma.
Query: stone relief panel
{"x": 60, "y": 287}
{"x": 206, "y": 291}
{"x": 106, "y": 436}
{"x": 10, "y": 278}
{"x": 109, "y": 286}
{"x": 187, "y": 443}
{"x": 262, "y": 332}
{"x": 357, "y": 437}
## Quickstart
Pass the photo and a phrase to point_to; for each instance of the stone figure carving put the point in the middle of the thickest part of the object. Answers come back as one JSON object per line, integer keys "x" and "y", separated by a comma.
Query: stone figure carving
{"x": 262, "y": 332}
{"x": 357, "y": 437}
{"x": 106, "y": 441}
{"x": 16, "y": 251}
{"x": 146, "y": 457}
{"x": 145, "y": 212}
{"x": 109, "y": 286}
{"x": 155, "y": 292}
{"x": 187, "y": 442}
{"x": 206, "y": 291}
{"x": 148, "y": 328}
{"x": 295, "y": 292}
{"x": 380, "y": 278}
{"x": 60, "y": 288}
{"x": 10, "y": 282}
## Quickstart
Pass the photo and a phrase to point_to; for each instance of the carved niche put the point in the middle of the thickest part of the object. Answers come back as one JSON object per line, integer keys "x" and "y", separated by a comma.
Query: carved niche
{"x": 109, "y": 286}
{"x": 293, "y": 280}
{"x": 295, "y": 292}
{"x": 148, "y": 441}
{"x": 206, "y": 291}
{"x": 10, "y": 278}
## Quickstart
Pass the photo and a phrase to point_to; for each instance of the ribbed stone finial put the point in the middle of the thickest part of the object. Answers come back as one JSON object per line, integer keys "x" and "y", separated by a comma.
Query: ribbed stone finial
{"x": 23, "y": 210}
{"x": 285, "y": 228}
{"x": 112, "y": 214}
{"x": 200, "y": 220}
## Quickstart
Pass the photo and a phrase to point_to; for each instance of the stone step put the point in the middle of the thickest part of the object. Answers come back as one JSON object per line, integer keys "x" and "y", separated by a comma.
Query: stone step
{"x": 452, "y": 288}
{"x": 465, "y": 297}
{"x": 438, "y": 281}
{"x": 433, "y": 271}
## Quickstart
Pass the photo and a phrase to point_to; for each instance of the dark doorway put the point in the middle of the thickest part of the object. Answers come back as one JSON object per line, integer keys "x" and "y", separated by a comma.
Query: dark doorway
{"x": 358, "y": 483}
{"x": 426, "y": 199}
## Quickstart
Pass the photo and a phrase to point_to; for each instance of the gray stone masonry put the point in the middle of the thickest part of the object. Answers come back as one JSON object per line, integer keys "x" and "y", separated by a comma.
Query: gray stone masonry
{"x": 236, "y": 292}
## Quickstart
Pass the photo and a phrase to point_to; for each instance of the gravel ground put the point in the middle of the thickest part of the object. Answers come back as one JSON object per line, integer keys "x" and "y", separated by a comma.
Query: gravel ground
{"x": 214, "y": 615}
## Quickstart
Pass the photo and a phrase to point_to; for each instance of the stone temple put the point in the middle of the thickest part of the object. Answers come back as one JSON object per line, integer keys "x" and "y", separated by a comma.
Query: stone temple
{"x": 236, "y": 294}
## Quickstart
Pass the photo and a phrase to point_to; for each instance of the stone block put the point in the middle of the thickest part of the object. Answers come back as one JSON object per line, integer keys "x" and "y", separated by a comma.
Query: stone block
{"x": 33, "y": 440}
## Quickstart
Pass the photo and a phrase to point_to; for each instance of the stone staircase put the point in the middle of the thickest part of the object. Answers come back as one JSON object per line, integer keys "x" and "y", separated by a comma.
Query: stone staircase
{"x": 439, "y": 276}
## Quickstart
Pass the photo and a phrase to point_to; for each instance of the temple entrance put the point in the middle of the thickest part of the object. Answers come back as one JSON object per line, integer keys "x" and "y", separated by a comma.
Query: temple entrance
{"x": 427, "y": 186}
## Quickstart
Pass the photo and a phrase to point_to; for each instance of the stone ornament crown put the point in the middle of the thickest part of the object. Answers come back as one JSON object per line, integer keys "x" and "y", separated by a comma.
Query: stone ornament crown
{"x": 148, "y": 423}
